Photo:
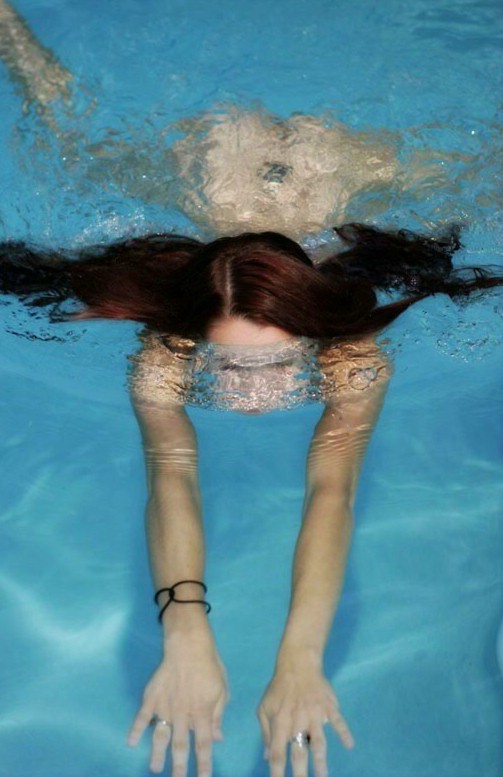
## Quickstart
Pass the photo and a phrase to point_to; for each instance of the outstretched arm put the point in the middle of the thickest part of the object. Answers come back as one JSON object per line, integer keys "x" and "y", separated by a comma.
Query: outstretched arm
{"x": 299, "y": 698}
{"x": 42, "y": 78}
{"x": 44, "y": 81}
{"x": 188, "y": 690}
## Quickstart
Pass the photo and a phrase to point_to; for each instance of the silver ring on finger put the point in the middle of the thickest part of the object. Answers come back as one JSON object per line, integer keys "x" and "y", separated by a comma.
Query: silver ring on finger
{"x": 157, "y": 721}
{"x": 302, "y": 739}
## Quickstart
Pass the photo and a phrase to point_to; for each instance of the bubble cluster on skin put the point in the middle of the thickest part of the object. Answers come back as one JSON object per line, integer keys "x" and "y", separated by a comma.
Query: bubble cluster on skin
{"x": 361, "y": 379}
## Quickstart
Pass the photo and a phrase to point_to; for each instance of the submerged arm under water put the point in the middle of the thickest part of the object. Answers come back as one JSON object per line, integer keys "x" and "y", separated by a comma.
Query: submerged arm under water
{"x": 31, "y": 65}
{"x": 188, "y": 690}
{"x": 298, "y": 689}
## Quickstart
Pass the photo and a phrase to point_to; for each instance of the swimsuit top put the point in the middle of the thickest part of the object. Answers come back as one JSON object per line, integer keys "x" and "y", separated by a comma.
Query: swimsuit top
{"x": 252, "y": 379}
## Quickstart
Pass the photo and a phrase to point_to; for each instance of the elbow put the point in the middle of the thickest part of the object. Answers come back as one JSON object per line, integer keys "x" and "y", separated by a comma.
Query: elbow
{"x": 333, "y": 498}
{"x": 340, "y": 493}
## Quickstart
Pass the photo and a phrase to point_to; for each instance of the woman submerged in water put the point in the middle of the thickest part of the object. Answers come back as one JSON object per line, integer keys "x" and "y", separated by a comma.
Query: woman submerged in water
{"x": 247, "y": 322}
{"x": 254, "y": 313}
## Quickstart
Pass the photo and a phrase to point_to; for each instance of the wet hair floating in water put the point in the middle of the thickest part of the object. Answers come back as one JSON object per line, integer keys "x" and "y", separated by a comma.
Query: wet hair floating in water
{"x": 178, "y": 285}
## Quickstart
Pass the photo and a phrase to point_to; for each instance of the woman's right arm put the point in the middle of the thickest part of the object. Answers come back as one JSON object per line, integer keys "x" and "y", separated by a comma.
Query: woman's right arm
{"x": 189, "y": 689}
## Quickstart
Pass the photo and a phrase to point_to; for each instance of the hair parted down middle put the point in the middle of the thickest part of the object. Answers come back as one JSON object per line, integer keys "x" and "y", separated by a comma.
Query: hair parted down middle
{"x": 178, "y": 285}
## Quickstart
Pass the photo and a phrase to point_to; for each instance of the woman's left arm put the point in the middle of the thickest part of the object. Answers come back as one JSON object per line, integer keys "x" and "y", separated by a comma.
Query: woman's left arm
{"x": 42, "y": 77}
{"x": 299, "y": 698}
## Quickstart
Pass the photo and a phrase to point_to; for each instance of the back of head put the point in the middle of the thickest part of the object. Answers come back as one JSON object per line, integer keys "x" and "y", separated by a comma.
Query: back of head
{"x": 179, "y": 285}
{"x": 260, "y": 277}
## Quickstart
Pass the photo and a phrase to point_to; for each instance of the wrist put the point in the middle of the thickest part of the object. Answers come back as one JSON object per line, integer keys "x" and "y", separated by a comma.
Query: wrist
{"x": 301, "y": 645}
{"x": 185, "y": 621}
{"x": 296, "y": 657}
{"x": 191, "y": 594}
{"x": 189, "y": 640}
{"x": 182, "y": 622}
{"x": 183, "y": 613}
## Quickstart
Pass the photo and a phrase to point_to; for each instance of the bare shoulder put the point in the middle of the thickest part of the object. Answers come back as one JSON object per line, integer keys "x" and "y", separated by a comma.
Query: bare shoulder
{"x": 157, "y": 396}
{"x": 356, "y": 376}
{"x": 353, "y": 368}
{"x": 157, "y": 381}
{"x": 158, "y": 373}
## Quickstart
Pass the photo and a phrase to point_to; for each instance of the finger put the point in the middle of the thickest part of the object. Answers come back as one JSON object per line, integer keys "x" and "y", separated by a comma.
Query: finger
{"x": 204, "y": 743}
{"x": 266, "y": 730}
{"x": 299, "y": 756}
{"x": 277, "y": 752}
{"x": 341, "y": 728}
{"x": 160, "y": 742}
{"x": 140, "y": 723}
{"x": 217, "y": 719}
{"x": 180, "y": 749}
{"x": 318, "y": 747}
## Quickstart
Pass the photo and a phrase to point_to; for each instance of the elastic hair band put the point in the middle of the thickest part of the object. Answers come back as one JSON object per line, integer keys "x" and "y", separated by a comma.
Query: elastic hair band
{"x": 171, "y": 592}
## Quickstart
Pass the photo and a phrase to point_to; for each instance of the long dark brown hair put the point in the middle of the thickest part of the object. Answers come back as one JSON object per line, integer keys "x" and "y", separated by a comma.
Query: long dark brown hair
{"x": 178, "y": 285}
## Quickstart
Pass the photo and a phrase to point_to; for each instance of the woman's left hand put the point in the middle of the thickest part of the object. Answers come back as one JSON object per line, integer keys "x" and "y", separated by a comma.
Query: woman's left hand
{"x": 299, "y": 700}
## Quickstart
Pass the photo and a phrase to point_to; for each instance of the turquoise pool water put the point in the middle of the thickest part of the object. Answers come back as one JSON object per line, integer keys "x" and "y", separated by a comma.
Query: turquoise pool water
{"x": 414, "y": 654}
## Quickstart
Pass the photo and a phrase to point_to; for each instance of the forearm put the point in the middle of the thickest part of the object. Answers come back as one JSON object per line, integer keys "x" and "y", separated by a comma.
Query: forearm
{"x": 334, "y": 462}
{"x": 176, "y": 549}
{"x": 318, "y": 576}
{"x": 175, "y": 532}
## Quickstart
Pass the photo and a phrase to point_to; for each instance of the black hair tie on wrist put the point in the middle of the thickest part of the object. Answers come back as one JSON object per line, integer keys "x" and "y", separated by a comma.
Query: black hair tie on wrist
{"x": 171, "y": 592}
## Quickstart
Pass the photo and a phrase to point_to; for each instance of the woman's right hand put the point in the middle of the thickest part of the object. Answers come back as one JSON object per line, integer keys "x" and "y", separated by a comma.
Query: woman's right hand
{"x": 188, "y": 691}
